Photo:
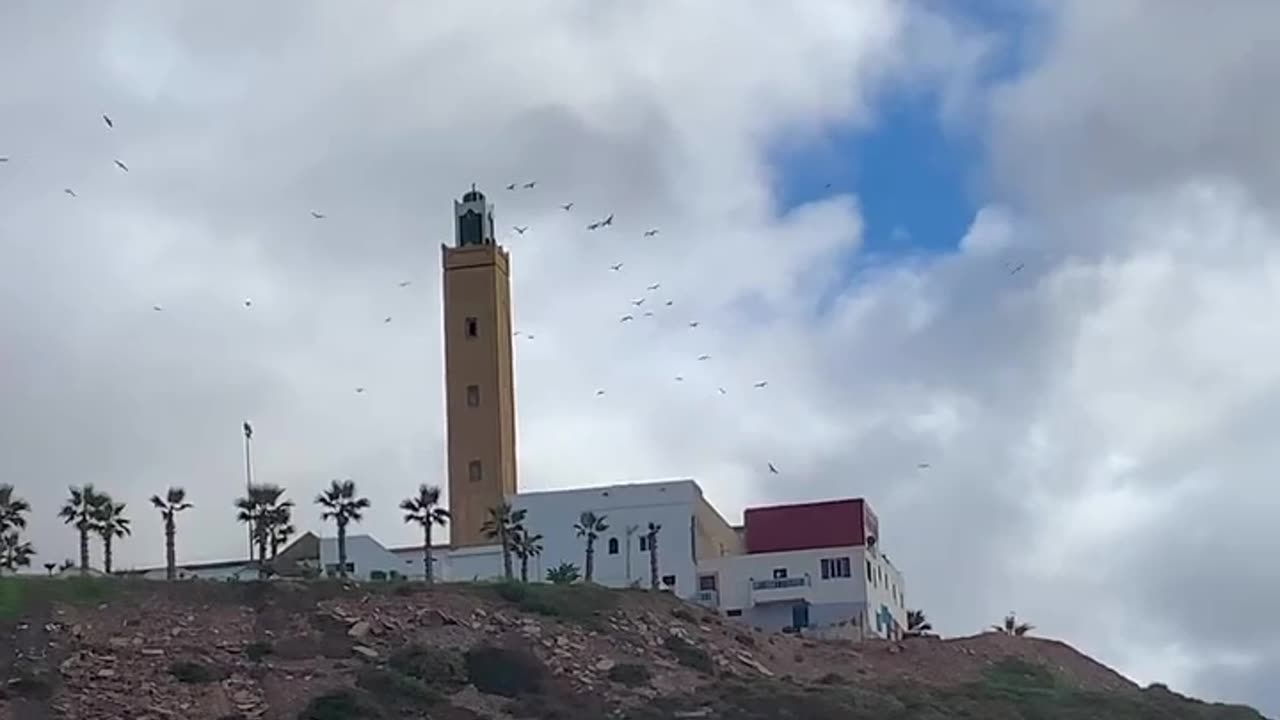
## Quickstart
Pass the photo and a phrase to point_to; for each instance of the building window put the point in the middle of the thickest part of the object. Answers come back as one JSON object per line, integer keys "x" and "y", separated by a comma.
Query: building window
{"x": 733, "y": 613}
{"x": 644, "y": 543}
{"x": 613, "y": 546}
{"x": 870, "y": 576}
{"x": 473, "y": 396}
{"x": 669, "y": 580}
{"x": 473, "y": 327}
{"x": 474, "y": 472}
{"x": 839, "y": 567}
{"x": 779, "y": 573}
{"x": 707, "y": 583}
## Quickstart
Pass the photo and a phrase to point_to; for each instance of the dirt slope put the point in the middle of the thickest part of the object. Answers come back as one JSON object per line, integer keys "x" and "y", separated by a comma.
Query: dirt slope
{"x": 327, "y": 651}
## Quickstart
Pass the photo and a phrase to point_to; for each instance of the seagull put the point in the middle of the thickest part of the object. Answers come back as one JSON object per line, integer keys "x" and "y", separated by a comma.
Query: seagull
{"x": 670, "y": 303}
{"x": 530, "y": 336}
{"x": 4, "y": 158}
{"x": 519, "y": 230}
{"x": 648, "y": 313}
{"x": 512, "y": 186}
{"x": 693, "y": 324}
{"x": 679, "y": 378}
{"x": 599, "y": 393}
{"x": 722, "y": 391}
{"x": 607, "y": 221}
{"x": 318, "y": 215}
{"x": 1014, "y": 270}
{"x": 70, "y": 192}
{"x": 594, "y": 226}
{"x": 627, "y": 318}
{"x": 157, "y": 308}
{"x": 616, "y": 267}
{"x": 762, "y": 383}
{"x": 827, "y": 186}
{"x": 359, "y": 391}
{"x": 566, "y": 207}
{"x": 529, "y": 185}
{"x": 122, "y": 166}
{"x": 406, "y": 283}
{"x": 773, "y": 469}
{"x": 651, "y": 233}
{"x": 704, "y": 357}
{"x": 248, "y": 302}
{"x": 654, "y": 286}
{"x": 638, "y": 302}
{"x": 515, "y": 334}
{"x": 386, "y": 320}
{"x": 107, "y": 120}
{"x": 922, "y": 466}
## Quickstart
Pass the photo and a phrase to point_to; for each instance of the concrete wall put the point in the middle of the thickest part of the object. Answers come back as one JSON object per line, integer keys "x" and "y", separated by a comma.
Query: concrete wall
{"x": 239, "y": 571}
{"x": 474, "y": 563}
{"x": 367, "y": 555}
{"x": 735, "y": 574}
{"x": 885, "y": 595}
{"x": 715, "y": 536}
{"x": 672, "y": 504}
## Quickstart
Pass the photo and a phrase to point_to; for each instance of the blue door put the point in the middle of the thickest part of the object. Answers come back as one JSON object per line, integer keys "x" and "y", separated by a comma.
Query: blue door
{"x": 800, "y": 615}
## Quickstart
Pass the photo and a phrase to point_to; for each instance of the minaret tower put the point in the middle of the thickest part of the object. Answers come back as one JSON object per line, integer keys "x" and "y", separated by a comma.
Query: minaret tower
{"x": 479, "y": 378}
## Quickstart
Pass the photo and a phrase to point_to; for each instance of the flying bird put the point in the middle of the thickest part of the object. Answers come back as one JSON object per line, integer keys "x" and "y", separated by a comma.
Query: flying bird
{"x": 773, "y": 469}
{"x": 599, "y": 393}
{"x": 4, "y": 158}
{"x": 651, "y": 232}
{"x": 638, "y": 302}
{"x": 248, "y": 302}
{"x": 616, "y": 267}
{"x": 827, "y": 186}
{"x": 406, "y": 283}
{"x": 762, "y": 383}
{"x": 70, "y": 192}
{"x": 122, "y": 166}
{"x": 512, "y": 186}
{"x": 654, "y": 286}
{"x": 704, "y": 357}
{"x": 679, "y": 378}
{"x": 922, "y": 466}
{"x": 670, "y": 303}
{"x": 722, "y": 391}
{"x": 693, "y": 323}
{"x": 318, "y": 215}
{"x": 359, "y": 391}
{"x": 107, "y": 120}
{"x": 607, "y": 221}
{"x": 529, "y": 185}
{"x": 530, "y": 336}
{"x": 1014, "y": 270}
{"x": 594, "y": 226}
{"x": 515, "y": 334}
{"x": 648, "y": 313}
{"x": 519, "y": 230}
{"x": 627, "y": 318}
{"x": 566, "y": 207}
{"x": 157, "y": 308}
{"x": 386, "y": 319}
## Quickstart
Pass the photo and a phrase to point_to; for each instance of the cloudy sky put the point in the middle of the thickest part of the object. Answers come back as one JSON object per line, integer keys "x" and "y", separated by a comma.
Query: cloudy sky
{"x": 842, "y": 187}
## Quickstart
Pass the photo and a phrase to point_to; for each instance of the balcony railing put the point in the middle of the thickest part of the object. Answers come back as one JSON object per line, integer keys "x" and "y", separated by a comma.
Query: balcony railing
{"x": 779, "y": 584}
{"x": 710, "y": 598}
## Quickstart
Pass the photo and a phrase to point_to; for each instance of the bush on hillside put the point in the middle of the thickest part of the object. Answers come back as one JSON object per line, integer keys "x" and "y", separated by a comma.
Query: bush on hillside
{"x": 435, "y": 666}
{"x": 581, "y": 603}
{"x": 340, "y": 705}
{"x": 195, "y": 673}
{"x": 689, "y": 655}
{"x": 630, "y": 674}
{"x": 508, "y": 672}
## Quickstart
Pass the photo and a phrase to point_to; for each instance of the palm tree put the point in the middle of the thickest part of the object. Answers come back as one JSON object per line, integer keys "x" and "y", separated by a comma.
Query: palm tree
{"x": 917, "y": 624}
{"x": 590, "y": 526}
{"x": 503, "y": 525}
{"x": 109, "y": 523}
{"x": 526, "y": 546}
{"x": 259, "y": 508}
{"x": 12, "y": 509}
{"x": 343, "y": 507}
{"x": 566, "y": 573}
{"x": 14, "y": 553}
{"x": 652, "y": 535}
{"x": 79, "y": 511}
{"x": 1012, "y": 627}
{"x": 280, "y": 528}
{"x": 50, "y": 567}
{"x": 424, "y": 509}
{"x": 173, "y": 502}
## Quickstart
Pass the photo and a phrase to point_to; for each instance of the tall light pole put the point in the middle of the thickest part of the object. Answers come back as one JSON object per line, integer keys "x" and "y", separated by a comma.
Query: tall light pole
{"x": 631, "y": 530}
{"x": 248, "y": 476}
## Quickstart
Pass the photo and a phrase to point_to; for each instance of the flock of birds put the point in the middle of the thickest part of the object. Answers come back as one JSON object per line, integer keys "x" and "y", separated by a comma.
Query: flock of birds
{"x": 640, "y": 304}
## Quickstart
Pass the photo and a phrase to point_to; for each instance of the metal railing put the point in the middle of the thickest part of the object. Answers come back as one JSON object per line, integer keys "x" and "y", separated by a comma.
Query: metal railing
{"x": 779, "y": 584}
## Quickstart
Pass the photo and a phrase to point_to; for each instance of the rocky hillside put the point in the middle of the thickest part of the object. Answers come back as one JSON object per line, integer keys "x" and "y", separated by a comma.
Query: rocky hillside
{"x": 326, "y": 651}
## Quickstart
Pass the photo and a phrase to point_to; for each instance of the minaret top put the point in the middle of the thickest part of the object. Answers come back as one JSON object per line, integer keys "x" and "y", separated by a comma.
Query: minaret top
{"x": 473, "y": 219}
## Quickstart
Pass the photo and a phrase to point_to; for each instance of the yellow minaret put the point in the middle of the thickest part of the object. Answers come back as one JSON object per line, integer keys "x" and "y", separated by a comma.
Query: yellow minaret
{"x": 480, "y": 406}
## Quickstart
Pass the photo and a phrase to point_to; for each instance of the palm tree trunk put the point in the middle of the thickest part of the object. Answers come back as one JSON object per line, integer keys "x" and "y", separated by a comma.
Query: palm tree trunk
{"x": 426, "y": 553}
{"x": 106, "y": 554}
{"x": 524, "y": 568}
{"x": 84, "y": 551}
{"x": 260, "y": 529}
{"x": 589, "y": 567}
{"x": 342, "y": 550}
{"x": 506, "y": 558}
{"x": 653, "y": 561}
{"x": 170, "y": 551}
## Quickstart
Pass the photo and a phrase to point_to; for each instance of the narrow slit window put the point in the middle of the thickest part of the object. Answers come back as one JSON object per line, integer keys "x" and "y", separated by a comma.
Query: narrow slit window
{"x": 474, "y": 471}
{"x": 473, "y": 396}
{"x": 473, "y": 327}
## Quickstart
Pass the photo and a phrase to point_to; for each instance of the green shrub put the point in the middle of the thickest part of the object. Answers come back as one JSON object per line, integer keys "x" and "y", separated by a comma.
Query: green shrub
{"x": 431, "y": 665}
{"x": 340, "y": 705}
{"x": 505, "y": 671}
{"x": 584, "y": 604}
{"x": 630, "y": 674}
{"x": 680, "y": 613}
{"x": 511, "y": 591}
{"x": 396, "y": 688}
{"x": 190, "y": 671}
{"x": 689, "y": 655}
{"x": 258, "y": 649}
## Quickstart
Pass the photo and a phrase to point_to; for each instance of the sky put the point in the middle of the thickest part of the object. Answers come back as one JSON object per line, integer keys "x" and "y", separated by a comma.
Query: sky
{"x": 1098, "y": 424}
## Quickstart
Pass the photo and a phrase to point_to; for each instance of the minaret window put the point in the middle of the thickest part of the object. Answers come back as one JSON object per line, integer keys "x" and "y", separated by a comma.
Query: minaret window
{"x": 473, "y": 396}
{"x": 474, "y": 471}
{"x": 473, "y": 327}
{"x": 613, "y": 546}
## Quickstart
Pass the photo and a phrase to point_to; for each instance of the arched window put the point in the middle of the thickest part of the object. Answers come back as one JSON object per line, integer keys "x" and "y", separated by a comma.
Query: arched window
{"x": 613, "y": 546}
